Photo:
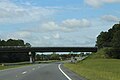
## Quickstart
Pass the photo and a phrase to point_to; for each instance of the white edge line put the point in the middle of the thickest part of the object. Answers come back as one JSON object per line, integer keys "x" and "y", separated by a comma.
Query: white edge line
{"x": 64, "y": 72}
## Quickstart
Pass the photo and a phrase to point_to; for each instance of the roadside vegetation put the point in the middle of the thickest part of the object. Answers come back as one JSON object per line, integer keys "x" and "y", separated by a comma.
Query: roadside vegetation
{"x": 6, "y": 67}
{"x": 21, "y": 64}
{"x": 13, "y": 57}
{"x": 97, "y": 69}
{"x": 104, "y": 64}
{"x": 110, "y": 40}
{"x": 2, "y": 67}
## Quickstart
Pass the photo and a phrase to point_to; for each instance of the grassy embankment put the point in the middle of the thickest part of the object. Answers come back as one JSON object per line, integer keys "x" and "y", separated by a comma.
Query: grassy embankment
{"x": 97, "y": 69}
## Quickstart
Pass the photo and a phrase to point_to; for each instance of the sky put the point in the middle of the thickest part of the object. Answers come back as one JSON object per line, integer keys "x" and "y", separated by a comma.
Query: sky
{"x": 53, "y": 23}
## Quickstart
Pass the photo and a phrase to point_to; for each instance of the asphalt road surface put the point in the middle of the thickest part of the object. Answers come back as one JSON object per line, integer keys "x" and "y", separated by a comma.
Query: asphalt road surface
{"x": 52, "y": 71}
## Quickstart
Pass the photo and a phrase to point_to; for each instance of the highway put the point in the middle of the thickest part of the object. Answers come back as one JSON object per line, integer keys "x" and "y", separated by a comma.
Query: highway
{"x": 51, "y": 71}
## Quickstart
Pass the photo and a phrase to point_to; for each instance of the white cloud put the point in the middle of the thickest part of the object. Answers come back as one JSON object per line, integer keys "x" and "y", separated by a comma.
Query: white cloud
{"x": 56, "y": 36}
{"x": 98, "y": 3}
{"x": 68, "y": 25}
{"x": 76, "y": 23}
{"x": 46, "y": 37}
{"x": 54, "y": 39}
{"x": 12, "y": 13}
{"x": 22, "y": 34}
{"x": 16, "y": 35}
{"x": 63, "y": 7}
{"x": 50, "y": 26}
{"x": 110, "y": 18}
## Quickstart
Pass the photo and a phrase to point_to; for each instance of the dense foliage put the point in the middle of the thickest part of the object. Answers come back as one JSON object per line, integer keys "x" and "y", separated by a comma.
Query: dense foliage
{"x": 12, "y": 42}
{"x": 13, "y": 57}
{"x": 55, "y": 56}
{"x": 111, "y": 40}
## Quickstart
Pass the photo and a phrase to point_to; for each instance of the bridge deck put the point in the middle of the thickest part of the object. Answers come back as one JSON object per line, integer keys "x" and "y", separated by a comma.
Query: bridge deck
{"x": 48, "y": 49}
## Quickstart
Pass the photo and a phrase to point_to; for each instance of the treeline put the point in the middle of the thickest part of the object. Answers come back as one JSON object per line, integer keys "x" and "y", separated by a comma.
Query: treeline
{"x": 13, "y": 57}
{"x": 55, "y": 56}
{"x": 111, "y": 41}
{"x": 13, "y": 42}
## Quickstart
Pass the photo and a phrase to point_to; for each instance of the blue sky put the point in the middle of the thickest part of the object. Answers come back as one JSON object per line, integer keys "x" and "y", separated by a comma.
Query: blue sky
{"x": 57, "y": 22}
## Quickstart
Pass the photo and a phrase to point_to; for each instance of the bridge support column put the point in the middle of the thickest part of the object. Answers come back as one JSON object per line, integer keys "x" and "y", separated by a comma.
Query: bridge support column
{"x": 32, "y": 57}
{"x": 31, "y": 61}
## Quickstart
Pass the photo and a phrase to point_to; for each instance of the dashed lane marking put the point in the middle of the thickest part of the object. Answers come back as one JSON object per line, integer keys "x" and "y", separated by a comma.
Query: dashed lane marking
{"x": 24, "y": 72}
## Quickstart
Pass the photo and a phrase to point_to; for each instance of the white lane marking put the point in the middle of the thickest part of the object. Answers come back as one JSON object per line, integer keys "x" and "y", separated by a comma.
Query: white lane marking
{"x": 24, "y": 72}
{"x": 33, "y": 69}
{"x": 64, "y": 72}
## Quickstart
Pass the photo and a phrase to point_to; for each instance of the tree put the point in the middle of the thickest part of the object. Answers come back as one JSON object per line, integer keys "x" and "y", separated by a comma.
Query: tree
{"x": 38, "y": 57}
{"x": 116, "y": 40}
{"x": 27, "y": 45}
{"x": 55, "y": 56}
{"x": 105, "y": 39}
{"x": 82, "y": 54}
{"x": 13, "y": 57}
{"x": 12, "y": 42}
{"x": 111, "y": 40}
{"x": 2, "y": 43}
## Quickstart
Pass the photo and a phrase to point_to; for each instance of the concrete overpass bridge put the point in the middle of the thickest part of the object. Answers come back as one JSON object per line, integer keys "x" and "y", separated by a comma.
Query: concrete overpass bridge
{"x": 47, "y": 49}
{"x": 32, "y": 50}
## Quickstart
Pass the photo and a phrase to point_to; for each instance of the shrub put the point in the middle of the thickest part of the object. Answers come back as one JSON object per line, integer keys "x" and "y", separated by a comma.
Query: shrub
{"x": 113, "y": 53}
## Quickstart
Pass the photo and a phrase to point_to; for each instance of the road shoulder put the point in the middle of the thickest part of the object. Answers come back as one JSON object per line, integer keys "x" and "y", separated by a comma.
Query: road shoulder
{"x": 71, "y": 74}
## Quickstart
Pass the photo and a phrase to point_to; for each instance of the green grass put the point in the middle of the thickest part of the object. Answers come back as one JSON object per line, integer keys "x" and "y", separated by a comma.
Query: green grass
{"x": 13, "y": 66}
{"x": 20, "y": 64}
{"x": 97, "y": 69}
{"x": 7, "y": 67}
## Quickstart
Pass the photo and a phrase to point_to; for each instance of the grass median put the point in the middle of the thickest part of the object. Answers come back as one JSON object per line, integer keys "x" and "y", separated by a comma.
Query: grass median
{"x": 7, "y": 67}
{"x": 97, "y": 69}
{"x": 20, "y": 64}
